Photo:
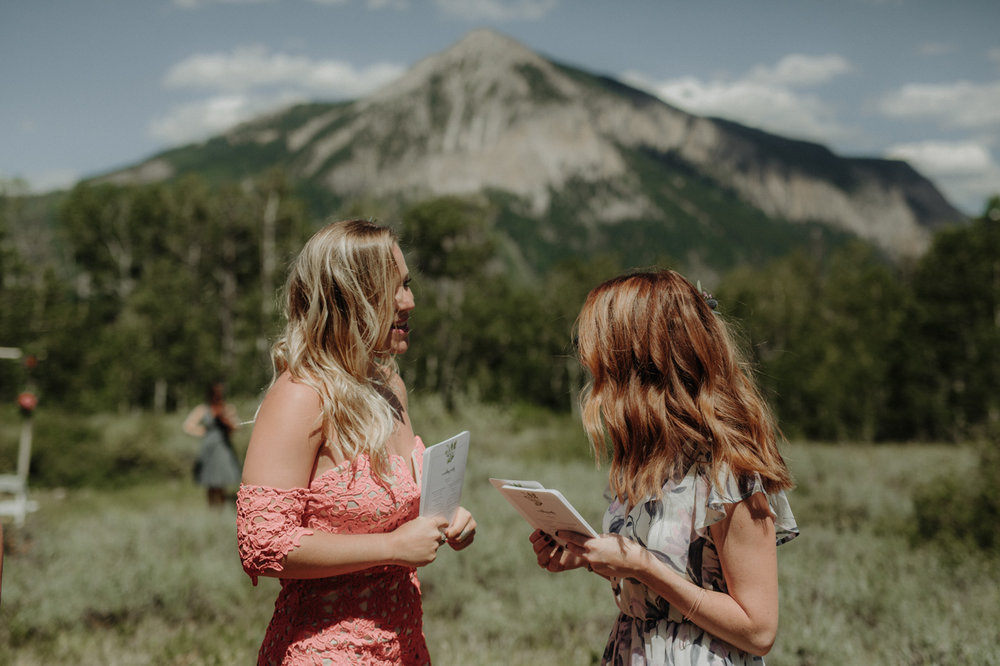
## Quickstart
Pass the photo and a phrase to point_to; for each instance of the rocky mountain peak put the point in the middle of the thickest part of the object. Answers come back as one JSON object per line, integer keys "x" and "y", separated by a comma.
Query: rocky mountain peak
{"x": 485, "y": 113}
{"x": 490, "y": 115}
{"x": 482, "y": 59}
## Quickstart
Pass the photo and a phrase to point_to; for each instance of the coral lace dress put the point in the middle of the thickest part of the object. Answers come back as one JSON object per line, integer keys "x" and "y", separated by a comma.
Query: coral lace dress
{"x": 373, "y": 616}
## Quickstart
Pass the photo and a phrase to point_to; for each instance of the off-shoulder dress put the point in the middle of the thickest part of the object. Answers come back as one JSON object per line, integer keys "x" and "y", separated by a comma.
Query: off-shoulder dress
{"x": 373, "y": 616}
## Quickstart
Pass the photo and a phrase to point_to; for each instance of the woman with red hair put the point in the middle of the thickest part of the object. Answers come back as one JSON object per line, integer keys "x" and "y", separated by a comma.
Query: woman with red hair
{"x": 696, "y": 484}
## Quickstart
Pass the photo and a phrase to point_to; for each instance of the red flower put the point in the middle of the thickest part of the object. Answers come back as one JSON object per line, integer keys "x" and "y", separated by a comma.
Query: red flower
{"x": 27, "y": 401}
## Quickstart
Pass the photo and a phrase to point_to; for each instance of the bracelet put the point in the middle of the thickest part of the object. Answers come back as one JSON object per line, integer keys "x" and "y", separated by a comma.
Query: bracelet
{"x": 697, "y": 604}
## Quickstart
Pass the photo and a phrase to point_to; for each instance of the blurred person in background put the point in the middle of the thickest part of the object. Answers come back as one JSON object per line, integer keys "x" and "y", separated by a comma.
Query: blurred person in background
{"x": 216, "y": 468}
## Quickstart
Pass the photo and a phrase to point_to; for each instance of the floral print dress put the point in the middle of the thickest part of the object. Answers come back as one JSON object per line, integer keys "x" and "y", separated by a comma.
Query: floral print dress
{"x": 674, "y": 529}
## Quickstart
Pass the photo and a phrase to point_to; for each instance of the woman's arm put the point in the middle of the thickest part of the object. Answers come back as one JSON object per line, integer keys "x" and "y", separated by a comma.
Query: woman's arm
{"x": 322, "y": 554}
{"x": 229, "y": 417}
{"x": 192, "y": 424}
{"x": 281, "y": 457}
{"x": 746, "y": 616}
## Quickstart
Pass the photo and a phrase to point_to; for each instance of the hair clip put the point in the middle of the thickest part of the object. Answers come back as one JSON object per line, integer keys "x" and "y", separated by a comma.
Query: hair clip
{"x": 709, "y": 299}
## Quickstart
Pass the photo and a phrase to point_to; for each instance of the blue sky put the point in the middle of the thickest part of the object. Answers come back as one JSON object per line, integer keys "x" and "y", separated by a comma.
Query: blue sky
{"x": 91, "y": 85}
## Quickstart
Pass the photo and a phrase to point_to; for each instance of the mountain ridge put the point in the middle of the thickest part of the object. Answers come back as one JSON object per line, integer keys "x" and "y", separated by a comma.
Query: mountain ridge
{"x": 490, "y": 115}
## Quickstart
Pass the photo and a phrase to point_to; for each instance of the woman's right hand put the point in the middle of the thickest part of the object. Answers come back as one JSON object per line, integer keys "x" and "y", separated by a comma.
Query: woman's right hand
{"x": 551, "y": 556}
{"x": 416, "y": 542}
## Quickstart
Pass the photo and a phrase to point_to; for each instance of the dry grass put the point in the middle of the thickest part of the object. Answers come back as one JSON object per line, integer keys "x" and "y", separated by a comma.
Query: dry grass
{"x": 149, "y": 575}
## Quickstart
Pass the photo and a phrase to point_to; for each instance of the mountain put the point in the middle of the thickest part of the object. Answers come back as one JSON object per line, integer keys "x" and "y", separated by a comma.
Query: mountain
{"x": 574, "y": 162}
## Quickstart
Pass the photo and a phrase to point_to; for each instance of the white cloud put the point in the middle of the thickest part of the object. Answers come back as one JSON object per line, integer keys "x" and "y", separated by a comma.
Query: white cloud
{"x": 965, "y": 170}
{"x": 254, "y": 67}
{"x": 497, "y": 10}
{"x": 943, "y": 157}
{"x": 935, "y": 49}
{"x": 471, "y": 10}
{"x": 195, "y": 4}
{"x": 766, "y": 97}
{"x": 250, "y": 81}
{"x": 959, "y": 104}
{"x": 197, "y": 120}
{"x": 39, "y": 182}
{"x": 201, "y": 119}
{"x": 370, "y": 4}
{"x": 54, "y": 179}
{"x": 971, "y": 192}
{"x": 800, "y": 70}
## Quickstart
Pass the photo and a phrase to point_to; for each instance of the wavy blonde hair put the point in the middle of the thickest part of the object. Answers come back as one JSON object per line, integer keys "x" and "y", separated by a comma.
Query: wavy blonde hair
{"x": 339, "y": 303}
{"x": 668, "y": 387}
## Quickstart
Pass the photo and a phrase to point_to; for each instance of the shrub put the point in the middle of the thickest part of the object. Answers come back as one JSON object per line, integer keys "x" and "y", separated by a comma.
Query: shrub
{"x": 962, "y": 512}
{"x": 75, "y": 451}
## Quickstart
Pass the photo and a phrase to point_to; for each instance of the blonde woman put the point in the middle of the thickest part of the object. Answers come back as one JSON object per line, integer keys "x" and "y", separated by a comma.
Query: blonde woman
{"x": 696, "y": 481}
{"x": 329, "y": 502}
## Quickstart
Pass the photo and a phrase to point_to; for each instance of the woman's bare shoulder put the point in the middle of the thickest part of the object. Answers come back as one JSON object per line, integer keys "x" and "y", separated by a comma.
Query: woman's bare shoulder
{"x": 287, "y": 389}
{"x": 285, "y": 437}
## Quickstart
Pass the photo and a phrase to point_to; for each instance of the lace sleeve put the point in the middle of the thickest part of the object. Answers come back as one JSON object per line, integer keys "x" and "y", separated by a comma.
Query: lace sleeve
{"x": 268, "y": 526}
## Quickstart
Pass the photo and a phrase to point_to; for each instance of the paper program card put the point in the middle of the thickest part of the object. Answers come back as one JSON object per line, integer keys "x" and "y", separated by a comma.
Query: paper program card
{"x": 545, "y": 509}
{"x": 443, "y": 475}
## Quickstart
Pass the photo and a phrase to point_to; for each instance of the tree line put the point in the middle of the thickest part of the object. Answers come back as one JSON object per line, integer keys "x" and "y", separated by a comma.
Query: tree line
{"x": 146, "y": 293}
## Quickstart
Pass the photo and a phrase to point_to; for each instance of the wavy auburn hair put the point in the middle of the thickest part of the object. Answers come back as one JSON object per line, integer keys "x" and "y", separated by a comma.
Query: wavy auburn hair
{"x": 667, "y": 388}
{"x": 339, "y": 303}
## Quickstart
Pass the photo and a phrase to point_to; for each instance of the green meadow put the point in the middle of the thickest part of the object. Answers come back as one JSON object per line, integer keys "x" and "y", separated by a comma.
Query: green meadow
{"x": 143, "y": 572}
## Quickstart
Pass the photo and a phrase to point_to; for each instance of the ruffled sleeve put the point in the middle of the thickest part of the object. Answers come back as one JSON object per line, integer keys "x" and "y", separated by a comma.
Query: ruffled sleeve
{"x": 268, "y": 526}
{"x": 710, "y": 504}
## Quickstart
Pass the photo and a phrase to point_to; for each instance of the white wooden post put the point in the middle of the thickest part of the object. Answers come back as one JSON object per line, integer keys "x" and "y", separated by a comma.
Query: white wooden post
{"x": 17, "y": 484}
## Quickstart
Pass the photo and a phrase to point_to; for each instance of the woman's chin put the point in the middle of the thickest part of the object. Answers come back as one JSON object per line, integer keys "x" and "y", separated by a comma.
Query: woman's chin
{"x": 399, "y": 342}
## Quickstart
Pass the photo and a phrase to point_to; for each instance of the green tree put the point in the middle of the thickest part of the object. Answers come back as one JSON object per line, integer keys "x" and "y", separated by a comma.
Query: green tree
{"x": 947, "y": 388}
{"x": 108, "y": 248}
{"x": 16, "y": 288}
{"x": 564, "y": 290}
{"x": 260, "y": 225}
{"x": 516, "y": 344}
{"x": 176, "y": 286}
{"x": 820, "y": 337}
{"x": 452, "y": 251}
{"x": 859, "y": 318}
{"x": 773, "y": 313}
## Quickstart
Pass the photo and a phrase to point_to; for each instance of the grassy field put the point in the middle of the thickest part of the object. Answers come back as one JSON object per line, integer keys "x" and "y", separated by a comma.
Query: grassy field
{"x": 148, "y": 574}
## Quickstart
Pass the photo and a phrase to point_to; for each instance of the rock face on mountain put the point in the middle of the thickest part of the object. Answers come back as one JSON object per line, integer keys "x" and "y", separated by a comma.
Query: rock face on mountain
{"x": 489, "y": 115}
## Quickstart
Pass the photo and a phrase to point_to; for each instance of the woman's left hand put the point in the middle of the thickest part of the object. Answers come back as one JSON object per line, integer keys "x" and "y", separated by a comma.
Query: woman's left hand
{"x": 551, "y": 556}
{"x": 609, "y": 555}
{"x": 462, "y": 530}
